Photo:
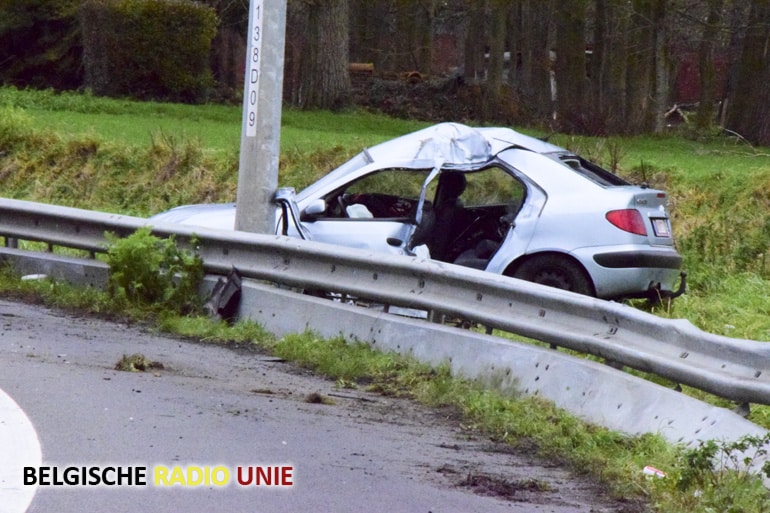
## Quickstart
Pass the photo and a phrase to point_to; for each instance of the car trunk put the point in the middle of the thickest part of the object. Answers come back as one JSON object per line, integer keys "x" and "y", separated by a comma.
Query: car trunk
{"x": 653, "y": 205}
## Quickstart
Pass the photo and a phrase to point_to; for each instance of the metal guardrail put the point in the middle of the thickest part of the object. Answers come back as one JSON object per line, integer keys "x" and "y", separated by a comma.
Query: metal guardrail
{"x": 674, "y": 349}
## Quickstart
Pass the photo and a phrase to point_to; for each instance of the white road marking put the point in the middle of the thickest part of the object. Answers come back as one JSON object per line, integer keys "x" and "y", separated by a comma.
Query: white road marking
{"x": 19, "y": 447}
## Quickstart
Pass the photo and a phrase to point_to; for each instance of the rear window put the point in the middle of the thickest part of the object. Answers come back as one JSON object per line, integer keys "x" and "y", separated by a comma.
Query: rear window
{"x": 593, "y": 172}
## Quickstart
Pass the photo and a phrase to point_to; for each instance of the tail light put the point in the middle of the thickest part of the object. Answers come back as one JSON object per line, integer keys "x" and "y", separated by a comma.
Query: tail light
{"x": 629, "y": 220}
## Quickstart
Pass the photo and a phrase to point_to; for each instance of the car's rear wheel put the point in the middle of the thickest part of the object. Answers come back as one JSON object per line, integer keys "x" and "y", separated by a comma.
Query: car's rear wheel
{"x": 556, "y": 271}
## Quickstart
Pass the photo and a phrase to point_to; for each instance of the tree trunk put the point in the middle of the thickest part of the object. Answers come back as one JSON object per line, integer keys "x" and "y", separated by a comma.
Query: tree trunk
{"x": 640, "y": 67}
{"x": 708, "y": 85}
{"x": 750, "y": 113}
{"x": 296, "y": 44}
{"x": 370, "y": 31}
{"x": 474, "y": 41}
{"x": 615, "y": 88}
{"x": 660, "y": 100}
{"x": 535, "y": 84}
{"x": 492, "y": 101}
{"x": 608, "y": 66}
{"x": 598, "y": 68}
{"x": 570, "y": 68}
{"x": 414, "y": 34}
{"x": 426, "y": 11}
{"x": 325, "y": 81}
{"x": 514, "y": 32}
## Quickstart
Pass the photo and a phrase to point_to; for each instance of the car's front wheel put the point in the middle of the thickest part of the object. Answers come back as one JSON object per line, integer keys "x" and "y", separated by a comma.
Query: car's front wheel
{"x": 556, "y": 271}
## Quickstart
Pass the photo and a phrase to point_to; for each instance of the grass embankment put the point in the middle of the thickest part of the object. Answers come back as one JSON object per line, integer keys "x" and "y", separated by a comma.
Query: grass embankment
{"x": 138, "y": 159}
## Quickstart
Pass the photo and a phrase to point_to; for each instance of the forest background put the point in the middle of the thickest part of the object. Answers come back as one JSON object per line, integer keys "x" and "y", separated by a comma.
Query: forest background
{"x": 592, "y": 67}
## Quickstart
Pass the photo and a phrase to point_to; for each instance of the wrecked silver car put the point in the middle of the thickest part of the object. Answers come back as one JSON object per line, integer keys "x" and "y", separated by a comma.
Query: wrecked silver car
{"x": 487, "y": 198}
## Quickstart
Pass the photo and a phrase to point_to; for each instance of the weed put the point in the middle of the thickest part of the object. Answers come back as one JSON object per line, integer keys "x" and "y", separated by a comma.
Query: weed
{"x": 345, "y": 383}
{"x": 137, "y": 363}
{"x": 15, "y": 128}
{"x": 720, "y": 476}
{"x": 615, "y": 152}
{"x": 322, "y": 356}
{"x": 206, "y": 329}
{"x": 145, "y": 269}
{"x": 54, "y": 293}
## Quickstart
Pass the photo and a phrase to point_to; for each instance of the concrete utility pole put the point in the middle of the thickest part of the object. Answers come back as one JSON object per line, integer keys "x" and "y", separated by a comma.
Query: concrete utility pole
{"x": 261, "y": 131}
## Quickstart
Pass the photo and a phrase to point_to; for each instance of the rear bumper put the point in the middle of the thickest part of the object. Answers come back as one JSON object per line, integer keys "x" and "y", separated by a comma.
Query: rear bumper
{"x": 632, "y": 271}
{"x": 639, "y": 259}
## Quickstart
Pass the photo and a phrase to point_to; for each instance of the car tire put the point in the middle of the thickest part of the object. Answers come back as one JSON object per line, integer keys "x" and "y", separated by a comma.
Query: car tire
{"x": 556, "y": 271}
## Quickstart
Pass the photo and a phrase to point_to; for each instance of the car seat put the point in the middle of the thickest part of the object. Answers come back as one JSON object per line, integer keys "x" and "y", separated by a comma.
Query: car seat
{"x": 447, "y": 209}
{"x": 478, "y": 257}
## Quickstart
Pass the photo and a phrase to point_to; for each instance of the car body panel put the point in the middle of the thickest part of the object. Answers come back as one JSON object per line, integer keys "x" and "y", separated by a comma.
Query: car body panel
{"x": 368, "y": 234}
{"x": 520, "y": 198}
{"x": 218, "y": 216}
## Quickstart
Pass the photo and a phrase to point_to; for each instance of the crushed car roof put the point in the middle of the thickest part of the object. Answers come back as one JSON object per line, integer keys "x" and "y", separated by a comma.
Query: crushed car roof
{"x": 455, "y": 144}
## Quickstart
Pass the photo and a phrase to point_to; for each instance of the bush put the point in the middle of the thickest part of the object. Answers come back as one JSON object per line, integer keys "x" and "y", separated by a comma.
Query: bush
{"x": 148, "y": 49}
{"x": 147, "y": 270}
{"x": 725, "y": 476}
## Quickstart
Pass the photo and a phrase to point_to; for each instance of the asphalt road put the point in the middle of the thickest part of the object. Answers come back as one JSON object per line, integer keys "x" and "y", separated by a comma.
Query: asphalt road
{"x": 221, "y": 407}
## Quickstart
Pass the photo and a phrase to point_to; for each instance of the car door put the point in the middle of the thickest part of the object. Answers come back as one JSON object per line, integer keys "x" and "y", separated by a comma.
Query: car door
{"x": 375, "y": 212}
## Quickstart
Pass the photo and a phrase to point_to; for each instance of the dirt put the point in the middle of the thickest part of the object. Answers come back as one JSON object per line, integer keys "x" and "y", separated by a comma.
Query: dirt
{"x": 432, "y": 99}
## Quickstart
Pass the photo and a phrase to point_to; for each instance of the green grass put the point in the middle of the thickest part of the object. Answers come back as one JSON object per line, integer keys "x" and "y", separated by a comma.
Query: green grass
{"x": 136, "y": 129}
{"x": 216, "y": 128}
{"x": 137, "y": 158}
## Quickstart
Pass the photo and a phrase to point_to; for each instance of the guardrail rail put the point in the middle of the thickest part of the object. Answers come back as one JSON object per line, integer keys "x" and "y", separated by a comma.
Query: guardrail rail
{"x": 734, "y": 369}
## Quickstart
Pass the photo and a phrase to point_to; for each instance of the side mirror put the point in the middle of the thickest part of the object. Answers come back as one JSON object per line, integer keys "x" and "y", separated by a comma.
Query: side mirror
{"x": 313, "y": 210}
